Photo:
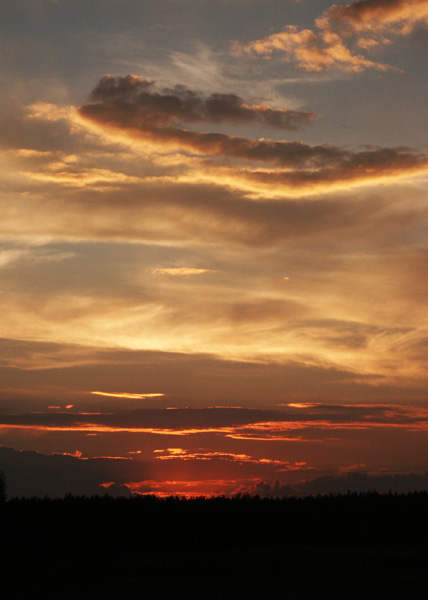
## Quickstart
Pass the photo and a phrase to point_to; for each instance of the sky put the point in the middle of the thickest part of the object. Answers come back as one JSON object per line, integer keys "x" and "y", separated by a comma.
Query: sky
{"x": 213, "y": 246}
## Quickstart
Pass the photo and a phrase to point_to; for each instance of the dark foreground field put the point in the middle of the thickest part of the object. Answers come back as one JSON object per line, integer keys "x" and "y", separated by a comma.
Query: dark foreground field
{"x": 354, "y": 546}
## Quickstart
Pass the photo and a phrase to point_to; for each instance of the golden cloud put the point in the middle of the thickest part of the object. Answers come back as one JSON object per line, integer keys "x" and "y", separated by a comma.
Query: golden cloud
{"x": 365, "y": 24}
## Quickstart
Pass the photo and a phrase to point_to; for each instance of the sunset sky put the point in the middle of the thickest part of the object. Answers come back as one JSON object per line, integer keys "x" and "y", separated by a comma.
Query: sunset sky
{"x": 213, "y": 246}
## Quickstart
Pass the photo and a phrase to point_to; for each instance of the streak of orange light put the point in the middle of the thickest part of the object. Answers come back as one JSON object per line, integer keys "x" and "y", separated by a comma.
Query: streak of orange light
{"x": 127, "y": 395}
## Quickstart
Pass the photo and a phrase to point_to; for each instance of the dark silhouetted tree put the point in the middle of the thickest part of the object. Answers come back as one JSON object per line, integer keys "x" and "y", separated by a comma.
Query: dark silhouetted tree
{"x": 2, "y": 487}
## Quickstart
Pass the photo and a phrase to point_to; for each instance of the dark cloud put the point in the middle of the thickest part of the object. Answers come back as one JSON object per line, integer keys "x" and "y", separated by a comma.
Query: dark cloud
{"x": 182, "y": 104}
{"x": 121, "y": 89}
{"x": 150, "y": 419}
{"x": 30, "y": 473}
{"x": 119, "y": 103}
{"x": 321, "y": 164}
{"x": 244, "y": 421}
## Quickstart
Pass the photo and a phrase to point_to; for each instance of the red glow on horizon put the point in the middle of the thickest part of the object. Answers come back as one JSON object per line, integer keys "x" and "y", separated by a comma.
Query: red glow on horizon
{"x": 184, "y": 489}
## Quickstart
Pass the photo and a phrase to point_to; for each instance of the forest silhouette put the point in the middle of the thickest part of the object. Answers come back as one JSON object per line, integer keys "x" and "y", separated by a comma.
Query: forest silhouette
{"x": 324, "y": 547}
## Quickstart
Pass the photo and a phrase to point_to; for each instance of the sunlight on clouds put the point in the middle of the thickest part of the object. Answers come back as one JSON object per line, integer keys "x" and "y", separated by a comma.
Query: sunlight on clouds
{"x": 250, "y": 319}
{"x": 185, "y": 455}
{"x": 82, "y": 177}
{"x": 180, "y": 271}
{"x": 29, "y": 153}
{"x": 306, "y": 175}
{"x": 150, "y": 328}
{"x": 311, "y": 51}
{"x": 127, "y": 395}
{"x": 340, "y": 29}
{"x": 9, "y": 256}
{"x": 46, "y": 111}
{"x": 143, "y": 164}
{"x": 260, "y": 183}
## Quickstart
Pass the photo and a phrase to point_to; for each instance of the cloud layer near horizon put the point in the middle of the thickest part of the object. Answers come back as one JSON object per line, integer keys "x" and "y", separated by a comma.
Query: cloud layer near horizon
{"x": 241, "y": 463}
{"x": 228, "y": 455}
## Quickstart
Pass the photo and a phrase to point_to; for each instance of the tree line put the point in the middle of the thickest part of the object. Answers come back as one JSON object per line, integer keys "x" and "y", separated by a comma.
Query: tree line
{"x": 102, "y": 524}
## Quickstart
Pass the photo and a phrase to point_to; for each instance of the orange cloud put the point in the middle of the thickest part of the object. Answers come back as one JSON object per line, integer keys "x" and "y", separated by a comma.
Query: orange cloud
{"x": 312, "y": 51}
{"x": 378, "y": 17}
{"x": 301, "y": 405}
{"x": 127, "y": 395}
{"x": 364, "y": 24}
{"x": 181, "y": 454}
{"x": 96, "y": 428}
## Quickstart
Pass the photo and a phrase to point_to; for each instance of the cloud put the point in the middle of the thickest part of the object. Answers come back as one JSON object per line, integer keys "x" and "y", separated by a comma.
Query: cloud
{"x": 355, "y": 481}
{"x": 181, "y": 454}
{"x": 31, "y": 473}
{"x": 29, "y": 255}
{"x": 292, "y": 444}
{"x": 312, "y": 51}
{"x": 180, "y": 421}
{"x": 378, "y": 17}
{"x": 263, "y": 317}
{"x": 200, "y": 206}
{"x": 36, "y": 375}
{"x": 259, "y": 313}
{"x": 180, "y": 271}
{"x": 167, "y": 210}
{"x": 303, "y": 168}
{"x": 128, "y": 395}
{"x": 342, "y": 31}
{"x": 185, "y": 105}
{"x": 238, "y": 423}
{"x": 9, "y": 256}
{"x": 179, "y": 471}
